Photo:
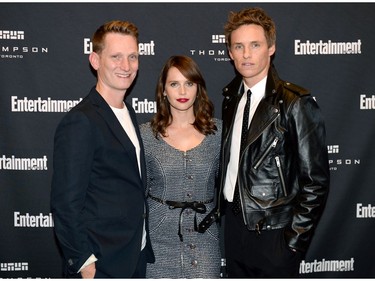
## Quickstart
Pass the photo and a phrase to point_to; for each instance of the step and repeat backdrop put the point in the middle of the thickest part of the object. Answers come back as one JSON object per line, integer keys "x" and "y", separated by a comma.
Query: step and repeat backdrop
{"x": 44, "y": 71}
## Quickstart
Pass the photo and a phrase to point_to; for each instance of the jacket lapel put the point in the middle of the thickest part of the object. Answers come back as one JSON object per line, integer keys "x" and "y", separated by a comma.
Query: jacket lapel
{"x": 114, "y": 125}
{"x": 266, "y": 112}
{"x": 264, "y": 116}
{"x": 230, "y": 106}
{"x": 136, "y": 127}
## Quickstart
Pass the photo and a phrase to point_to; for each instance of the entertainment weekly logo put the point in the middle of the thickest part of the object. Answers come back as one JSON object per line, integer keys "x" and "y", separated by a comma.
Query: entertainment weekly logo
{"x": 365, "y": 211}
{"x": 13, "y": 45}
{"x": 215, "y": 48}
{"x": 336, "y": 160}
{"x": 39, "y": 105}
{"x": 366, "y": 102}
{"x": 328, "y": 47}
{"x": 144, "y": 49}
{"x": 28, "y": 220}
{"x": 14, "y": 163}
{"x": 326, "y": 266}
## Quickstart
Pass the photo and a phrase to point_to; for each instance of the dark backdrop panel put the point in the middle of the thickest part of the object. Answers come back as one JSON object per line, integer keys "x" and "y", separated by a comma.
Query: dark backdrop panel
{"x": 44, "y": 59}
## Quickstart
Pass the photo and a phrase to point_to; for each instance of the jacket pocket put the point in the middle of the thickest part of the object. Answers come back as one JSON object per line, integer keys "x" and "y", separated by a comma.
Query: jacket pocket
{"x": 264, "y": 192}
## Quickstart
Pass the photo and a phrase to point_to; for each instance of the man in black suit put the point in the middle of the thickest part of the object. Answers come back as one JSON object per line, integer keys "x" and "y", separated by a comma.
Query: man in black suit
{"x": 98, "y": 188}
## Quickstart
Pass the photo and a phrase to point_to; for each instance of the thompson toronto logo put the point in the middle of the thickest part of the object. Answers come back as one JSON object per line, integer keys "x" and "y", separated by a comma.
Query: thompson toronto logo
{"x": 12, "y": 35}
{"x": 333, "y": 149}
{"x": 144, "y": 49}
{"x": 218, "y": 39}
{"x": 20, "y": 49}
{"x": 335, "y": 160}
{"x": 14, "y": 266}
{"x": 215, "y": 49}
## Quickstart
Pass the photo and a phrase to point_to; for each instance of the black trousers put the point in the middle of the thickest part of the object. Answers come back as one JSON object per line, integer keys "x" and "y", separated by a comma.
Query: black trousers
{"x": 250, "y": 254}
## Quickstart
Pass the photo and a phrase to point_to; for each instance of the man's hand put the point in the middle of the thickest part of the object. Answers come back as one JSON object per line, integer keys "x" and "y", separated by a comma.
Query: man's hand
{"x": 89, "y": 271}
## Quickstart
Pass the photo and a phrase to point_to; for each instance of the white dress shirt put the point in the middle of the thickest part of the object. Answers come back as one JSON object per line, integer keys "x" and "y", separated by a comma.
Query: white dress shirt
{"x": 257, "y": 94}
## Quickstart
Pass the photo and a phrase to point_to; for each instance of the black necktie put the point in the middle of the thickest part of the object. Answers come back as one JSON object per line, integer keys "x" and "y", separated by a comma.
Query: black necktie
{"x": 236, "y": 207}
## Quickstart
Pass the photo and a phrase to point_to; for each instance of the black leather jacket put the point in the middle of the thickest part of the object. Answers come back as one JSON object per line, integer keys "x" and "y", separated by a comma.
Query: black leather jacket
{"x": 283, "y": 172}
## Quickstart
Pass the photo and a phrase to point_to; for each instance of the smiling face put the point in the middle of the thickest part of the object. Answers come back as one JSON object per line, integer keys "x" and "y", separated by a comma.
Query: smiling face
{"x": 116, "y": 64}
{"x": 250, "y": 53}
{"x": 180, "y": 92}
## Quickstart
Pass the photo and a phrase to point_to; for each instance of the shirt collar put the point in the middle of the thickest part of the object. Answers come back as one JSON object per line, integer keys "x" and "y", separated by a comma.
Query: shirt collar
{"x": 258, "y": 89}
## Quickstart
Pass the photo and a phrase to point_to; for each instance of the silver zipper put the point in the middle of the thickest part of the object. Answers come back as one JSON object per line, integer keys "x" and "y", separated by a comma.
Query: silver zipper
{"x": 281, "y": 175}
{"x": 261, "y": 159}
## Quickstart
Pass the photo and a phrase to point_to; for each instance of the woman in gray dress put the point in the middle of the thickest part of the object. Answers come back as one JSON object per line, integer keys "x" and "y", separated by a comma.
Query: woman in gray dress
{"x": 182, "y": 147}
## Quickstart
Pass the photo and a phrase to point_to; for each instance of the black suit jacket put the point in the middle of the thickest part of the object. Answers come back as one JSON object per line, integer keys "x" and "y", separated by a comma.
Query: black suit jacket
{"x": 98, "y": 196}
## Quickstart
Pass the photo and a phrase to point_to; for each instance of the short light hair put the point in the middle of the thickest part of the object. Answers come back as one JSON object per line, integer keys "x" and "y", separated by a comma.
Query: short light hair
{"x": 116, "y": 26}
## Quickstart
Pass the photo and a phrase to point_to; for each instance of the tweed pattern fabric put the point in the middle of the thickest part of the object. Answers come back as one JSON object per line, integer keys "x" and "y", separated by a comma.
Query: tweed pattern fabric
{"x": 182, "y": 176}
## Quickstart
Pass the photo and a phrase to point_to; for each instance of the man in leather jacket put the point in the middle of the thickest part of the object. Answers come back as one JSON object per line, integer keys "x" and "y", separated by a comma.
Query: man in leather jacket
{"x": 281, "y": 174}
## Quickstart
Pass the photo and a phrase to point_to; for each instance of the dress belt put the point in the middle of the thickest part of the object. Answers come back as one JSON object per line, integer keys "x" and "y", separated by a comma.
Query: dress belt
{"x": 197, "y": 206}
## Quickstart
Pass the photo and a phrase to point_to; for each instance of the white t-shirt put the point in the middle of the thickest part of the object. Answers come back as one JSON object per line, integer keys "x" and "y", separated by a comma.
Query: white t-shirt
{"x": 123, "y": 116}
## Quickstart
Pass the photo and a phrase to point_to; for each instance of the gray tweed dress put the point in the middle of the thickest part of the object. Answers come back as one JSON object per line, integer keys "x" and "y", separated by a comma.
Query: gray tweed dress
{"x": 182, "y": 176}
